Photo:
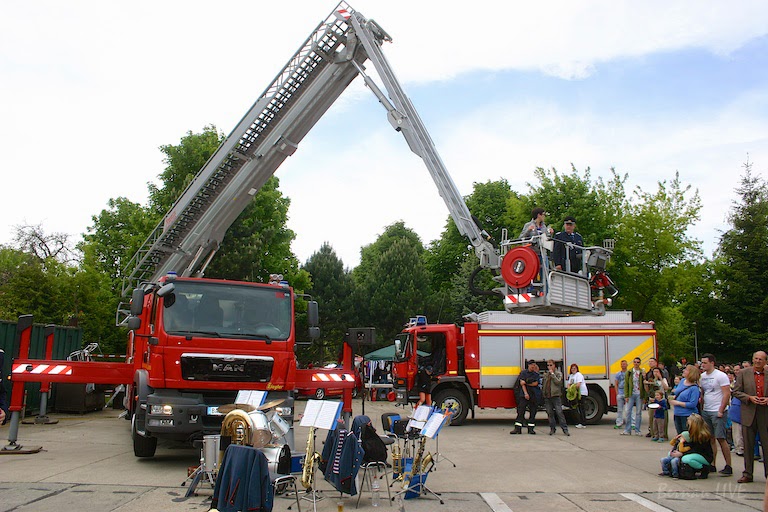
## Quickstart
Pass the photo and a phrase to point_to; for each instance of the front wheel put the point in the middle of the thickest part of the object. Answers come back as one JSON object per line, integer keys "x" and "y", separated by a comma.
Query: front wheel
{"x": 142, "y": 446}
{"x": 454, "y": 400}
{"x": 319, "y": 393}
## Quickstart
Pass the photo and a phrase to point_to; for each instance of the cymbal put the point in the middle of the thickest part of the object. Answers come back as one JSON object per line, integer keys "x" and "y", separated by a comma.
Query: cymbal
{"x": 271, "y": 404}
{"x": 225, "y": 409}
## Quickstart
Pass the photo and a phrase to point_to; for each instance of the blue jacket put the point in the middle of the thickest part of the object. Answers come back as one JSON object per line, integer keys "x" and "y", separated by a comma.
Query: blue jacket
{"x": 690, "y": 396}
{"x": 734, "y": 411}
{"x": 243, "y": 482}
{"x": 342, "y": 456}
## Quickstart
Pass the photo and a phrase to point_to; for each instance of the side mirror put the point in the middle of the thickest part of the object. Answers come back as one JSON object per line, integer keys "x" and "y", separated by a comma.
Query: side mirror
{"x": 313, "y": 314}
{"x": 314, "y": 333}
{"x": 137, "y": 302}
{"x": 134, "y": 323}
{"x": 397, "y": 347}
{"x": 166, "y": 289}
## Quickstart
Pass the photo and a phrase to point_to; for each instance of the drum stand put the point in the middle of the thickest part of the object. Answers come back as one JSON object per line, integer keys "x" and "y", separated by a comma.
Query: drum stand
{"x": 198, "y": 475}
{"x": 208, "y": 469}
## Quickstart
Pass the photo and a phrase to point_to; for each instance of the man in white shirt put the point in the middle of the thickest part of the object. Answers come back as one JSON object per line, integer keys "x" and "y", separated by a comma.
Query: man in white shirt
{"x": 716, "y": 390}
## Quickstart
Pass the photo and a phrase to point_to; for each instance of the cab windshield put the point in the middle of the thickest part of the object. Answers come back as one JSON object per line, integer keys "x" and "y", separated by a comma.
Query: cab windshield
{"x": 228, "y": 310}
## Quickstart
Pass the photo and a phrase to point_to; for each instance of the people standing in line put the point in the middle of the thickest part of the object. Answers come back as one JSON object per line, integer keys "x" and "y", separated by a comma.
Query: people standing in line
{"x": 424, "y": 385}
{"x": 687, "y": 394}
{"x": 527, "y": 395}
{"x": 716, "y": 390}
{"x": 567, "y": 252}
{"x": 553, "y": 403}
{"x": 577, "y": 379}
{"x": 619, "y": 383}
{"x": 752, "y": 390}
{"x": 634, "y": 396}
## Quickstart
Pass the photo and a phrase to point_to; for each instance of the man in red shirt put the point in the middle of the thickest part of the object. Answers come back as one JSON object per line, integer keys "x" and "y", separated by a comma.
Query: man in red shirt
{"x": 751, "y": 390}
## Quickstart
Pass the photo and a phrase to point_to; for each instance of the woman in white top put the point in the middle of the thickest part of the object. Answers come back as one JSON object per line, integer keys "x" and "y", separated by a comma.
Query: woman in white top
{"x": 576, "y": 378}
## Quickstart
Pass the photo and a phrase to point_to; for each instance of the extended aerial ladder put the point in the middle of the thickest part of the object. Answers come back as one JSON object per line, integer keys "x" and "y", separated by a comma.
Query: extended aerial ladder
{"x": 187, "y": 238}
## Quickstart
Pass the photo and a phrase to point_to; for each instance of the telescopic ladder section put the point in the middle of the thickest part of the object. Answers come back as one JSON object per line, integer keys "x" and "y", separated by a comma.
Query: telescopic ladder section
{"x": 190, "y": 233}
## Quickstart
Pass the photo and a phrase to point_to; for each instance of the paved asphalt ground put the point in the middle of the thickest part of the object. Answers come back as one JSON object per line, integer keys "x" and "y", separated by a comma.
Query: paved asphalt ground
{"x": 87, "y": 464}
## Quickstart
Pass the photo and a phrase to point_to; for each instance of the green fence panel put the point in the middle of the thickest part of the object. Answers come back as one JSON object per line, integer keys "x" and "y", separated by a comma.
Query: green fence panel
{"x": 65, "y": 341}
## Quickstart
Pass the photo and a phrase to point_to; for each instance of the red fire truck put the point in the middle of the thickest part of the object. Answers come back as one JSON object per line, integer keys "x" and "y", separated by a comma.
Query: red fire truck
{"x": 476, "y": 365}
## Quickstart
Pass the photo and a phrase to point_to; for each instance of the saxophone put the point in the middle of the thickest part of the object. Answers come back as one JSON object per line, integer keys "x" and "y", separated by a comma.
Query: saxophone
{"x": 416, "y": 467}
{"x": 397, "y": 460}
{"x": 310, "y": 460}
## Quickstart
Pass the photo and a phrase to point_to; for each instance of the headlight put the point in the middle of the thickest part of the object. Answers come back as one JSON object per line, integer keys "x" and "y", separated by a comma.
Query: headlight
{"x": 161, "y": 409}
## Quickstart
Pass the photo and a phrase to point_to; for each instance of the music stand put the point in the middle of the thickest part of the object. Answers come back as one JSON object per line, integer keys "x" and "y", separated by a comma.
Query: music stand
{"x": 319, "y": 414}
{"x": 417, "y": 485}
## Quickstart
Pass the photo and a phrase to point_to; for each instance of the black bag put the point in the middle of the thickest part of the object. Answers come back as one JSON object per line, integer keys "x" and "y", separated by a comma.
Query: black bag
{"x": 687, "y": 472}
{"x": 374, "y": 447}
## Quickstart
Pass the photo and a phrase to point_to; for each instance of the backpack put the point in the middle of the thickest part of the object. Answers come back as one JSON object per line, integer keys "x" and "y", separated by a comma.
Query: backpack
{"x": 374, "y": 447}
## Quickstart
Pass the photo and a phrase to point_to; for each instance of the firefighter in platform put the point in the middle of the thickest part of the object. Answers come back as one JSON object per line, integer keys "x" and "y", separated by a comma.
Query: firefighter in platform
{"x": 527, "y": 396}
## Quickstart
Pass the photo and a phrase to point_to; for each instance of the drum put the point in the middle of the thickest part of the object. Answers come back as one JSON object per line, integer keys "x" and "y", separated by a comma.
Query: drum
{"x": 278, "y": 458}
{"x": 278, "y": 425}
{"x": 211, "y": 446}
{"x": 261, "y": 435}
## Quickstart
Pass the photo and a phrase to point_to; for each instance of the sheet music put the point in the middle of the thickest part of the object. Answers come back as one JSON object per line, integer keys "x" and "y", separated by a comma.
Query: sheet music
{"x": 433, "y": 425}
{"x": 321, "y": 414}
{"x": 251, "y": 397}
{"x": 415, "y": 425}
{"x": 422, "y": 412}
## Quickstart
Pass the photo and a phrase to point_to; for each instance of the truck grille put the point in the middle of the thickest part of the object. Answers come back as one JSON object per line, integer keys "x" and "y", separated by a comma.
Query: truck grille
{"x": 220, "y": 368}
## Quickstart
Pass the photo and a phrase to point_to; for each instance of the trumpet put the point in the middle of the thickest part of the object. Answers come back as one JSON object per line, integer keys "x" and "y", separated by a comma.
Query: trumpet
{"x": 397, "y": 460}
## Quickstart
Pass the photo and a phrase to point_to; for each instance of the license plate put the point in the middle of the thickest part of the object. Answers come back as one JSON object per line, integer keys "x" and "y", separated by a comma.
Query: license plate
{"x": 214, "y": 411}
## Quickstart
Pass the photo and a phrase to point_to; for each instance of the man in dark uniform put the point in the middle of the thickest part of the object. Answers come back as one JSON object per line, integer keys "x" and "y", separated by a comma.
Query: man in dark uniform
{"x": 3, "y": 396}
{"x": 566, "y": 254}
{"x": 527, "y": 395}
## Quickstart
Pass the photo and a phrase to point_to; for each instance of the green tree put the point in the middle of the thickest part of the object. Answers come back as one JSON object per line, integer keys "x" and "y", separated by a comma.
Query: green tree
{"x": 400, "y": 288}
{"x": 183, "y": 162}
{"x": 115, "y": 236}
{"x": 400, "y": 251}
{"x": 597, "y": 205}
{"x": 652, "y": 243}
{"x": 741, "y": 275}
{"x": 332, "y": 289}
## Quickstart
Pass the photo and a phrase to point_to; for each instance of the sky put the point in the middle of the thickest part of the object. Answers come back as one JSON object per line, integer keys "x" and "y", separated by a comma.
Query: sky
{"x": 89, "y": 90}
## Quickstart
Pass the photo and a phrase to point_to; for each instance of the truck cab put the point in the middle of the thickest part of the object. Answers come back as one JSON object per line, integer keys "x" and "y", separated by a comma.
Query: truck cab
{"x": 195, "y": 343}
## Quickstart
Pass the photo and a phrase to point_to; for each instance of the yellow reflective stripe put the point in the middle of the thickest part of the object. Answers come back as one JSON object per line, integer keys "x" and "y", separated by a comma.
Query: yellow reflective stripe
{"x": 643, "y": 350}
{"x": 542, "y": 344}
{"x": 472, "y": 370}
{"x": 592, "y": 370}
{"x": 500, "y": 370}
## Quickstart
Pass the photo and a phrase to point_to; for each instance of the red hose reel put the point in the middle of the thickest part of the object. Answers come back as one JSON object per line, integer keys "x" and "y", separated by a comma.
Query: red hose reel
{"x": 520, "y": 267}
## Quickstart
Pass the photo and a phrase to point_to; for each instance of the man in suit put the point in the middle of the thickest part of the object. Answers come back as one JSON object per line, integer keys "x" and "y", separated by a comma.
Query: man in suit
{"x": 752, "y": 390}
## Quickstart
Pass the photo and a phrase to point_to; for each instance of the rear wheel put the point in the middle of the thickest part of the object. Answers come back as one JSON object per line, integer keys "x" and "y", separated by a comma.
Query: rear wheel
{"x": 594, "y": 409}
{"x": 319, "y": 393}
{"x": 454, "y": 400}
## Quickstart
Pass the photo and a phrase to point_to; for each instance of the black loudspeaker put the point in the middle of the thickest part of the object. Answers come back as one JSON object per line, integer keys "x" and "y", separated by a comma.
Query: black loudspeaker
{"x": 361, "y": 337}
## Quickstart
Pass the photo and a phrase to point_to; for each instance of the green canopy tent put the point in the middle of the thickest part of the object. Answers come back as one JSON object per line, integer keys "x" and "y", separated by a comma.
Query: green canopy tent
{"x": 385, "y": 354}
